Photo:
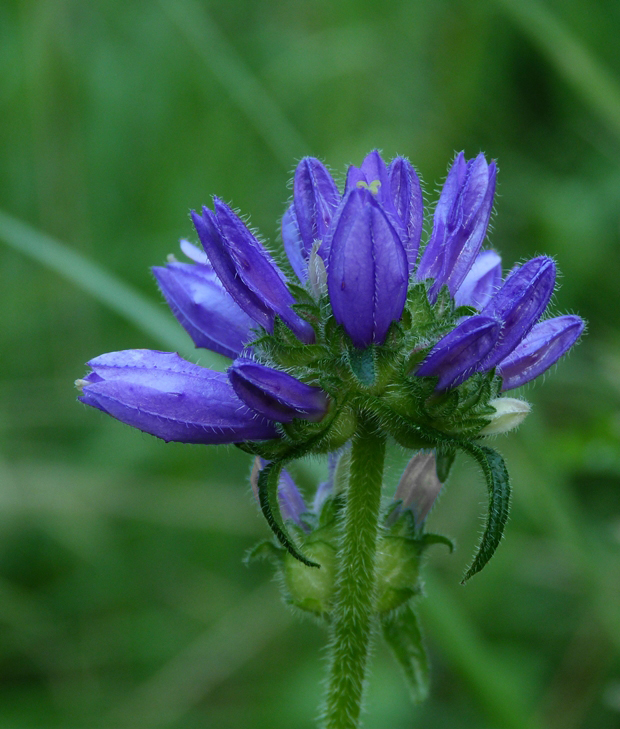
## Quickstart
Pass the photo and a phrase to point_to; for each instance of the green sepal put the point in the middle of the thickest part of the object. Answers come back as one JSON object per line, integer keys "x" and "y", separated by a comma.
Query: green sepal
{"x": 402, "y": 633}
{"x": 444, "y": 458}
{"x": 460, "y": 311}
{"x": 362, "y": 363}
{"x": 265, "y": 550}
{"x": 268, "y": 480}
{"x": 498, "y": 484}
{"x": 429, "y": 538}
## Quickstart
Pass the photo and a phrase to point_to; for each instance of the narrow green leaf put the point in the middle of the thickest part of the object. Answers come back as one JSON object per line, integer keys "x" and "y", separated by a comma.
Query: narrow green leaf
{"x": 268, "y": 498}
{"x": 402, "y": 633}
{"x": 221, "y": 58}
{"x": 146, "y": 315}
{"x": 498, "y": 484}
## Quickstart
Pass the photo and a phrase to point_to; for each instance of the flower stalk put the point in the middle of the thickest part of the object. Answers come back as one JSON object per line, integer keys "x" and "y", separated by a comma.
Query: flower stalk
{"x": 353, "y": 612}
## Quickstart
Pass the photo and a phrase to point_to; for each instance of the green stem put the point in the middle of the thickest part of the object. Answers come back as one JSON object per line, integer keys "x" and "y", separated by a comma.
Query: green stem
{"x": 353, "y": 613}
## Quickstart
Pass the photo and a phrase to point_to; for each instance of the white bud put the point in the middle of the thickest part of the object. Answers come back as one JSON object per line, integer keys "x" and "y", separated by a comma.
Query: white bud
{"x": 509, "y": 414}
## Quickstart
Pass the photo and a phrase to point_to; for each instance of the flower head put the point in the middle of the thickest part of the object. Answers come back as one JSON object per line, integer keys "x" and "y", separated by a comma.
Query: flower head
{"x": 366, "y": 328}
{"x": 356, "y": 254}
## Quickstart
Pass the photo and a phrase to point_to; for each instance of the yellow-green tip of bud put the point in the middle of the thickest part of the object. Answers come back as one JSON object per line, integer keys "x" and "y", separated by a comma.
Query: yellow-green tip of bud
{"x": 509, "y": 414}
{"x": 80, "y": 384}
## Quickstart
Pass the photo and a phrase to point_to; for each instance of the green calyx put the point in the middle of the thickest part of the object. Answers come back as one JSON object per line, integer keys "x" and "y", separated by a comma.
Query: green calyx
{"x": 400, "y": 549}
{"x": 379, "y": 381}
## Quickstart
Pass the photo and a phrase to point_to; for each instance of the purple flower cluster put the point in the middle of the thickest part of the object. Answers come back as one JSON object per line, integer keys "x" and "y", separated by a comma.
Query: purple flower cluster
{"x": 365, "y": 244}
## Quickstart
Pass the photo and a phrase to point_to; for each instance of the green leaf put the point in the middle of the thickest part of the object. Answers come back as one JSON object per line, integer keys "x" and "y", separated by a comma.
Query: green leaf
{"x": 268, "y": 480}
{"x": 498, "y": 483}
{"x": 402, "y": 633}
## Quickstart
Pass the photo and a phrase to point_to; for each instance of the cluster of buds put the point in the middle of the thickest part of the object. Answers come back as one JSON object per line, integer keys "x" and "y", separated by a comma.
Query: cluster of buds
{"x": 365, "y": 325}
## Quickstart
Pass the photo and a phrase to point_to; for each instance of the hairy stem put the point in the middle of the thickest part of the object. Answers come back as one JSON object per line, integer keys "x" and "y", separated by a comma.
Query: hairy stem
{"x": 353, "y": 613}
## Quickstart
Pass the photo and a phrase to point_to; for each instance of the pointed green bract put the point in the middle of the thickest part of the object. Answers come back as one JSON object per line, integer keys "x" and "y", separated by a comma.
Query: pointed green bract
{"x": 402, "y": 633}
{"x": 268, "y": 499}
{"x": 498, "y": 484}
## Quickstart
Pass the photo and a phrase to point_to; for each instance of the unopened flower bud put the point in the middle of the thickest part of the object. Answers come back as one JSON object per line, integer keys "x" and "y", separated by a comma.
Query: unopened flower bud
{"x": 509, "y": 414}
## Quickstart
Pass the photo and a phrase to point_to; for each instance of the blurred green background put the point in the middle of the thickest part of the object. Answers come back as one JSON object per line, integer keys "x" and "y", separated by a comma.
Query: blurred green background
{"x": 123, "y": 598}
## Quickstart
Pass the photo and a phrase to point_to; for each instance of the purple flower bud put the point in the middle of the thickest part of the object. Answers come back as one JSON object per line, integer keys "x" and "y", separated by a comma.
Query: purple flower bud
{"x": 367, "y": 271}
{"x": 519, "y": 304}
{"x": 162, "y": 394}
{"x": 316, "y": 198}
{"x": 374, "y": 175}
{"x": 457, "y": 356}
{"x": 275, "y": 394}
{"x": 542, "y": 347}
{"x": 419, "y": 486}
{"x": 407, "y": 197}
{"x": 204, "y": 308}
{"x": 219, "y": 256}
{"x": 247, "y": 271}
{"x": 293, "y": 245}
{"x": 482, "y": 281}
{"x": 291, "y": 502}
{"x": 460, "y": 223}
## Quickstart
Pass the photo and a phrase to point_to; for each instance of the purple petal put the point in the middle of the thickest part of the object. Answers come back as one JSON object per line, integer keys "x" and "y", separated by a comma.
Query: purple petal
{"x": 367, "y": 272}
{"x": 293, "y": 245}
{"x": 375, "y": 171}
{"x": 477, "y": 202}
{"x": 162, "y": 394}
{"x": 431, "y": 262}
{"x": 275, "y": 394}
{"x": 204, "y": 308}
{"x": 542, "y": 347}
{"x": 407, "y": 197}
{"x": 223, "y": 265}
{"x": 519, "y": 304}
{"x": 316, "y": 197}
{"x": 258, "y": 271}
{"x": 460, "y": 223}
{"x": 457, "y": 356}
{"x": 482, "y": 281}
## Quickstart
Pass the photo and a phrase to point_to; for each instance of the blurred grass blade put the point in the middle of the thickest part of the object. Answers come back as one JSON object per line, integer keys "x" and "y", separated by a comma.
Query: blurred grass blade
{"x": 570, "y": 57}
{"x": 101, "y": 285}
{"x": 499, "y": 689}
{"x": 244, "y": 630}
{"x": 244, "y": 88}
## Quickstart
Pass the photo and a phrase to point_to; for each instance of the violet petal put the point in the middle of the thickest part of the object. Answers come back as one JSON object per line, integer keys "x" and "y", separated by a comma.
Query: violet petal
{"x": 293, "y": 245}
{"x": 482, "y": 281}
{"x": 457, "y": 356}
{"x": 275, "y": 394}
{"x": 204, "y": 308}
{"x": 162, "y": 394}
{"x": 407, "y": 197}
{"x": 542, "y": 348}
{"x": 316, "y": 197}
{"x": 223, "y": 265}
{"x": 460, "y": 223}
{"x": 519, "y": 304}
{"x": 258, "y": 271}
{"x": 367, "y": 272}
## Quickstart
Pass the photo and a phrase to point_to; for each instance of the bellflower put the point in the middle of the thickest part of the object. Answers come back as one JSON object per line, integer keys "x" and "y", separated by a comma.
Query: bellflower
{"x": 361, "y": 339}
{"x": 364, "y": 327}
